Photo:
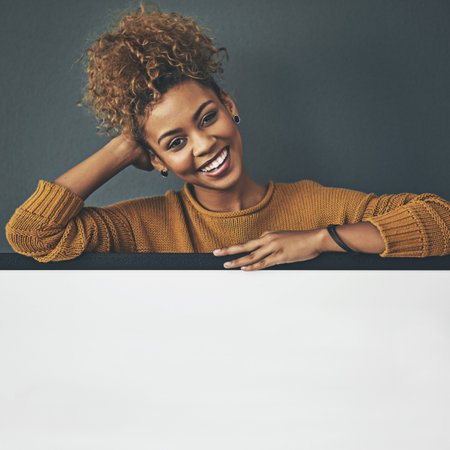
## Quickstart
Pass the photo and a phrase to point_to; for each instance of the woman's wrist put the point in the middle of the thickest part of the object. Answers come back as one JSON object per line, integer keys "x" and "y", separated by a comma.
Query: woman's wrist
{"x": 361, "y": 237}
{"x": 126, "y": 151}
{"x": 326, "y": 243}
{"x": 90, "y": 174}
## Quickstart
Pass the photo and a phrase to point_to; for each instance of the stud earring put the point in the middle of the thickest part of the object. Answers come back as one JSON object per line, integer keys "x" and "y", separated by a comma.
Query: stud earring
{"x": 236, "y": 118}
{"x": 164, "y": 173}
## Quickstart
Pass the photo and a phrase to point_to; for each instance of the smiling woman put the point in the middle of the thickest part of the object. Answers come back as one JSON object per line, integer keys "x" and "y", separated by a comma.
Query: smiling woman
{"x": 152, "y": 88}
{"x": 203, "y": 148}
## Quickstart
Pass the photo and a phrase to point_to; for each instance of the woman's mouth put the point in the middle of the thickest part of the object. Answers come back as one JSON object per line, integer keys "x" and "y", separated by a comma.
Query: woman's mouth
{"x": 220, "y": 165}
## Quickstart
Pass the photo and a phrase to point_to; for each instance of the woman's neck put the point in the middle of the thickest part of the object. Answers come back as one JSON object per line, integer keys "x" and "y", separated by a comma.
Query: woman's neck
{"x": 243, "y": 195}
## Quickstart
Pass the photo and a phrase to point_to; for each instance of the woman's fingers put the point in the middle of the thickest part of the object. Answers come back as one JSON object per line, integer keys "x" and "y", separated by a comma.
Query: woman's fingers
{"x": 258, "y": 249}
{"x": 251, "y": 259}
{"x": 238, "y": 248}
{"x": 273, "y": 247}
{"x": 262, "y": 264}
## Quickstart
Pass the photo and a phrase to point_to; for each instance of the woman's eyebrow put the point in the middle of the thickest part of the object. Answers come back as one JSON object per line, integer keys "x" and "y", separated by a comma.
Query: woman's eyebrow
{"x": 177, "y": 130}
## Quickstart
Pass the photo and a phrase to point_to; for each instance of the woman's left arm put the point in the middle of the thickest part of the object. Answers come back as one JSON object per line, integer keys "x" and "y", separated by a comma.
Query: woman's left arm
{"x": 281, "y": 247}
{"x": 397, "y": 225}
{"x": 393, "y": 225}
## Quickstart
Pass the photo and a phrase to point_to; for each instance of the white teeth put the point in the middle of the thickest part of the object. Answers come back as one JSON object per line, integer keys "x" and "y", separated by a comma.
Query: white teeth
{"x": 217, "y": 162}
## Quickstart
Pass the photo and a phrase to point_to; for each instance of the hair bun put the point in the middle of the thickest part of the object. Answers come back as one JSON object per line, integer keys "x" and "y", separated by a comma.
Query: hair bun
{"x": 139, "y": 58}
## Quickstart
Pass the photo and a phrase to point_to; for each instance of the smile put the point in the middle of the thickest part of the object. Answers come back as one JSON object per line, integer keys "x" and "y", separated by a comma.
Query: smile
{"x": 218, "y": 161}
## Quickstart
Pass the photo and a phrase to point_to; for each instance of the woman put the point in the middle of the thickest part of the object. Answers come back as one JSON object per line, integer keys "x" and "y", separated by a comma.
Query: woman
{"x": 152, "y": 80}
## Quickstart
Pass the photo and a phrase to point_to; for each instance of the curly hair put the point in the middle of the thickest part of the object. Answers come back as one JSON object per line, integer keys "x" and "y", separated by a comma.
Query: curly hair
{"x": 130, "y": 67}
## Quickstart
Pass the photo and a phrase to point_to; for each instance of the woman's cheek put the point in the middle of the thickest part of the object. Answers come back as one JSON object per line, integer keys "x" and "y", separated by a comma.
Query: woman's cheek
{"x": 184, "y": 164}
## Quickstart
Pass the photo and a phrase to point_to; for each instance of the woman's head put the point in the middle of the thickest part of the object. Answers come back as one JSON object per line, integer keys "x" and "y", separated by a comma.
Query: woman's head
{"x": 142, "y": 57}
{"x": 151, "y": 74}
{"x": 193, "y": 134}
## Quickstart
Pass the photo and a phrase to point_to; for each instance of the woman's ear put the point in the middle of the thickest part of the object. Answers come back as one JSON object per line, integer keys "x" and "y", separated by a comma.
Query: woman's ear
{"x": 228, "y": 102}
{"x": 156, "y": 161}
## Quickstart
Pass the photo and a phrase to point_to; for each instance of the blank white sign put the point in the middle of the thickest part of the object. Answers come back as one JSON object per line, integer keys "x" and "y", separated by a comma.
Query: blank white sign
{"x": 208, "y": 360}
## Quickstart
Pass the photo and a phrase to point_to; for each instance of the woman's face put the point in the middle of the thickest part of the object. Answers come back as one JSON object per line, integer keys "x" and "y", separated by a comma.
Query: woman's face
{"x": 190, "y": 129}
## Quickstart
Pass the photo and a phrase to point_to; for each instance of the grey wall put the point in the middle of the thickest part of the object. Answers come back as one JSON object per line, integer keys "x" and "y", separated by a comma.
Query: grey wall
{"x": 350, "y": 93}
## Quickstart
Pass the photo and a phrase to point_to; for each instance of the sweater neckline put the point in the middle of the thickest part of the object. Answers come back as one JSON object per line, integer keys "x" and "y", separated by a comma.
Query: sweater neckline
{"x": 225, "y": 214}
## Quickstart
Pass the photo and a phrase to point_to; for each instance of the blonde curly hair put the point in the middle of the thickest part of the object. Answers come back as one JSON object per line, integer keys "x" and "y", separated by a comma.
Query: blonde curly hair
{"x": 131, "y": 66}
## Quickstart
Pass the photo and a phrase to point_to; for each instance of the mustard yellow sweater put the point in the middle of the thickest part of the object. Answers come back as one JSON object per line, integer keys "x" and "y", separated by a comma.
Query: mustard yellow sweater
{"x": 54, "y": 225}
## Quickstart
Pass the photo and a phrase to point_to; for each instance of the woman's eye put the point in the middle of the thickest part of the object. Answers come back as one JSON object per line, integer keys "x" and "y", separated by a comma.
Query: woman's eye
{"x": 209, "y": 117}
{"x": 174, "y": 142}
{"x": 177, "y": 142}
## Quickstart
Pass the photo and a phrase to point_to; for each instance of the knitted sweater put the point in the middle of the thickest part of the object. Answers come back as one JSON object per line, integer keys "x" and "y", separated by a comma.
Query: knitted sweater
{"x": 54, "y": 225}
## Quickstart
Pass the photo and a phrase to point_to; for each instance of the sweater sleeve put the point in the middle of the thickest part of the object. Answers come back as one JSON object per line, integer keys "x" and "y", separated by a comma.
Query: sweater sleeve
{"x": 54, "y": 225}
{"x": 411, "y": 225}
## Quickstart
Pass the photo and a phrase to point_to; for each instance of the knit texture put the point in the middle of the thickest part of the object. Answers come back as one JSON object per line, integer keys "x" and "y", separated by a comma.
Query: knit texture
{"x": 54, "y": 225}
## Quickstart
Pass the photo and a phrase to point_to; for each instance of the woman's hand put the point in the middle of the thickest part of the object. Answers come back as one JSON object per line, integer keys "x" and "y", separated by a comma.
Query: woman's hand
{"x": 140, "y": 157}
{"x": 274, "y": 247}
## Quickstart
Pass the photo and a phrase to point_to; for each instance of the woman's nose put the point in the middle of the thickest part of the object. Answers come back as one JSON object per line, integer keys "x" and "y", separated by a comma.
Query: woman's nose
{"x": 202, "y": 144}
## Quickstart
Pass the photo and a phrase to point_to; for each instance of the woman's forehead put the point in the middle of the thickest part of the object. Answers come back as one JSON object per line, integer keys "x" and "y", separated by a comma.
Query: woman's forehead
{"x": 185, "y": 95}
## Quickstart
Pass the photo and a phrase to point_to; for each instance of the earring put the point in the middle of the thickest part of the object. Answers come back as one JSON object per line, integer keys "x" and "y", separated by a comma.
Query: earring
{"x": 236, "y": 118}
{"x": 164, "y": 173}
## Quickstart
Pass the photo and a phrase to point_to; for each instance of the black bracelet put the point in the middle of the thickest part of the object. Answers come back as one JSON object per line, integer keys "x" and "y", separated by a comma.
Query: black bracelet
{"x": 333, "y": 233}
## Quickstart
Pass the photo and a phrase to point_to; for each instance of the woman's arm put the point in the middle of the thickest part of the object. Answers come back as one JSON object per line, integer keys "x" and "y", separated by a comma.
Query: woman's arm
{"x": 53, "y": 224}
{"x": 90, "y": 174}
{"x": 410, "y": 225}
{"x": 361, "y": 237}
{"x": 395, "y": 225}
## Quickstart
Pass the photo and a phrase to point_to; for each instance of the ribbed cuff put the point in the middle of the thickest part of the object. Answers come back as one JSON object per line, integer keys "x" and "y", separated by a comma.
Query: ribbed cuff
{"x": 400, "y": 232}
{"x": 56, "y": 203}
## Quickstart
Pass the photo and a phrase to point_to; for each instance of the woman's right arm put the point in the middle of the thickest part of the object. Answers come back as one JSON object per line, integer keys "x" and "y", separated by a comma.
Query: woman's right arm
{"x": 90, "y": 174}
{"x": 54, "y": 225}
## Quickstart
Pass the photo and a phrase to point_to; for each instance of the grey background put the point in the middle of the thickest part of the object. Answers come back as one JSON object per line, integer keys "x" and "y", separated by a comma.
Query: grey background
{"x": 348, "y": 93}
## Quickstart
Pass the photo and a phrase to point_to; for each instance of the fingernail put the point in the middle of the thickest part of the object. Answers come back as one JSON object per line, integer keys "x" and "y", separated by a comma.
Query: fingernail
{"x": 227, "y": 264}
{"x": 215, "y": 252}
